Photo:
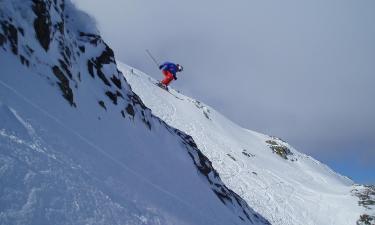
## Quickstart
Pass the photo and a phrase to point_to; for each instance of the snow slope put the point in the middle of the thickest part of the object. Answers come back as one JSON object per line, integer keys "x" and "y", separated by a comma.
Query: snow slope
{"x": 285, "y": 186}
{"x": 77, "y": 146}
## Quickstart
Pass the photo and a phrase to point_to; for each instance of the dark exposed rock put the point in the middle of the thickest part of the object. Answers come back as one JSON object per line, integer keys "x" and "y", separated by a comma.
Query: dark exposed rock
{"x": 13, "y": 37}
{"x": 102, "y": 77}
{"x": 147, "y": 123}
{"x": 224, "y": 198}
{"x": 29, "y": 50}
{"x": 67, "y": 52}
{"x": 90, "y": 67}
{"x": 64, "y": 56}
{"x": 130, "y": 110}
{"x": 2, "y": 40}
{"x": 145, "y": 120}
{"x": 11, "y": 34}
{"x": 145, "y": 113}
{"x": 101, "y": 103}
{"x": 136, "y": 100}
{"x": 206, "y": 115}
{"x": 64, "y": 85}
{"x": 24, "y": 61}
{"x": 60, "y": 27}
{"x": 116, "y": 81}
{"x": 112, "y": 96}
{"x": 82, "y": 48}
{"x": 244, "y": 152}
{"x": 271, "y": 142}
{"x": 65, "y": 68}
{"x": 366, "y": 196}
{"x": 119, "y": 94}
{"x": 21, "y": 30}
{"x": 366, "y": 220}
{"x": 279, "y": 149}
{"x": 42, "y": 23}
{"x": 106, "y": 57}
{"x": 92, "y": 38}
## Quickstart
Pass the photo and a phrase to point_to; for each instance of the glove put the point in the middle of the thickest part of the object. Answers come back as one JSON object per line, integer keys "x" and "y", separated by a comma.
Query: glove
{"x": 160, "y": 67}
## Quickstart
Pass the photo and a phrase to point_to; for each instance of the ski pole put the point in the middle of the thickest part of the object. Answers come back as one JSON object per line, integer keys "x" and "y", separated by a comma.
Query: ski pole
{"x": 152, "y": 57}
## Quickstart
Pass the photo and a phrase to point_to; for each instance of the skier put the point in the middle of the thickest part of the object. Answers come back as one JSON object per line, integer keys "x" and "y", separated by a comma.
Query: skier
{"x": 169, "y": 70}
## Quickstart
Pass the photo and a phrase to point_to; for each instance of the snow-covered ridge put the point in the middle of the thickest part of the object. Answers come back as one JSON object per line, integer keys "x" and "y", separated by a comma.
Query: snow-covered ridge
{"x": 77, "y": 146}
{"x": 284, "y": 185}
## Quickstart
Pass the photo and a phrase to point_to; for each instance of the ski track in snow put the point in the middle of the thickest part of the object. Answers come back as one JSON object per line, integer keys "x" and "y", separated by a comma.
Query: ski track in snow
{"x": 304, "y": 192}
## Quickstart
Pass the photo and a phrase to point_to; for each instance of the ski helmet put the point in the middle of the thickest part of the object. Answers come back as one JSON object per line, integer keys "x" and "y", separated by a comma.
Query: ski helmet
{"x": 180, "y": 68}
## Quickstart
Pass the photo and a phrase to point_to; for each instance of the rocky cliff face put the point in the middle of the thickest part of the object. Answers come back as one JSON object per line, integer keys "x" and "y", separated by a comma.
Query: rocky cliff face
{"x": 53, "y": 40}
{"x": 47, "y": 36}
{"x": 366, "y": 195}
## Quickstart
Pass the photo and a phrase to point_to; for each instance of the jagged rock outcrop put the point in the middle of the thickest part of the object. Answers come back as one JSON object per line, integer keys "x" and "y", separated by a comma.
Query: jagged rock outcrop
{"x": 366, "y": 196}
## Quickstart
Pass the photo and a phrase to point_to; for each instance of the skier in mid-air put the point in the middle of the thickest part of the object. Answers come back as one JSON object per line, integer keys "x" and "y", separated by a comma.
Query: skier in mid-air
{"x": 169, "y": 70}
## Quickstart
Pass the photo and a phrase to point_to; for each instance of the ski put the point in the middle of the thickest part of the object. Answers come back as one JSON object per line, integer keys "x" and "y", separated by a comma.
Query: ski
{"x": 165, "y": 88}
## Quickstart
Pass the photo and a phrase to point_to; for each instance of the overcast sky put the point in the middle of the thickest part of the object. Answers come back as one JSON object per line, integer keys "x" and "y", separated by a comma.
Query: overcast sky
{"x": 300, "y": 70}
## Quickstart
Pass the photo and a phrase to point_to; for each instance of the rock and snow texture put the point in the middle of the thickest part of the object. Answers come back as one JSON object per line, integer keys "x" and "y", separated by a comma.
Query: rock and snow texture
{"x": 366, "y": 195}
{"x": 77, "y": 146}
{"x": 283, "y": 185}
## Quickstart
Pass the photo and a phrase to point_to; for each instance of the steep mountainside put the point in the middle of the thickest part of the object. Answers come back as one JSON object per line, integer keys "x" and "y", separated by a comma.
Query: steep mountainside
{"x": 77, "y": 146}
{"x": 284, "y": 185}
